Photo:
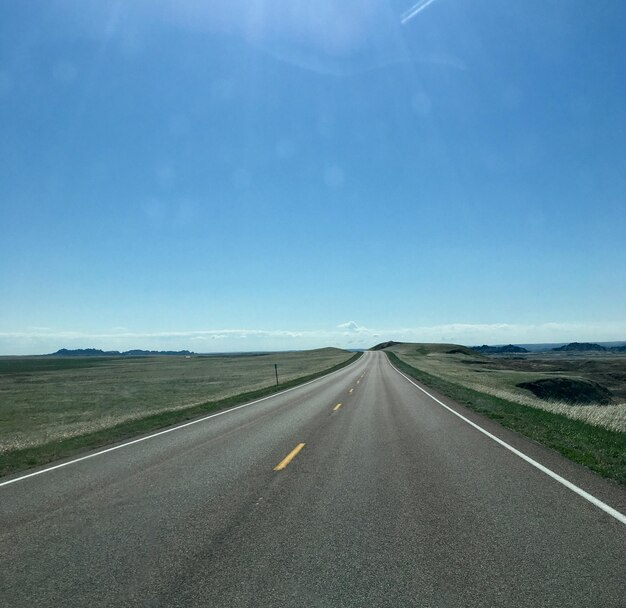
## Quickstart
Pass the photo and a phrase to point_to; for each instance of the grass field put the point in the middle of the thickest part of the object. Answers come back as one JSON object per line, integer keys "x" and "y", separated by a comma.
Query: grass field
{"x": 52, "y": 407}
{"x": 592, "y": 435}
{"x": 499, "y": 376}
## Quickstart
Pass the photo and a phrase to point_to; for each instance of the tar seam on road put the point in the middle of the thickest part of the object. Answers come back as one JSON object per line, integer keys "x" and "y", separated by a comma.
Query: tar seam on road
{"x": 287, "y": 459}
{"x": 170, "y": 430}
{"x": 336, "y": 407}
{"x": 568, "y": 484}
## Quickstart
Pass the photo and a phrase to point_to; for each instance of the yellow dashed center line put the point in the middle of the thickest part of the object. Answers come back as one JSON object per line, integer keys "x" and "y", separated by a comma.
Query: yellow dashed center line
{"x": 336, "y": 407}
{"x": 287, "y": 459}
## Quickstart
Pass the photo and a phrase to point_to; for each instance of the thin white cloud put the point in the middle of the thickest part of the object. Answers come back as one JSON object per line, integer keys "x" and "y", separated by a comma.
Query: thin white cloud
{"x": 352, "y": 326}
{"x": 326, "y": 37}
{"x": 452, "y": 331}
{"x": 415, "y": 10}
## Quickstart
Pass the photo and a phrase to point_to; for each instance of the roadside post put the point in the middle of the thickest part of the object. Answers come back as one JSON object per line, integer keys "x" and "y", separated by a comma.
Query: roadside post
{"x": 276, "y": 372}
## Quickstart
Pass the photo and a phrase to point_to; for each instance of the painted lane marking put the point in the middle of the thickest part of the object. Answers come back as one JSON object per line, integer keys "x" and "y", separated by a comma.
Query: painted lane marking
{"x": 287, "y": 459}
{"x": 550, "y": 473}
{"x": 170, "y": 430}
{"x": 358, "y": 381}
{"x": 351, "y": 390}
{"x": 336, "y": 407}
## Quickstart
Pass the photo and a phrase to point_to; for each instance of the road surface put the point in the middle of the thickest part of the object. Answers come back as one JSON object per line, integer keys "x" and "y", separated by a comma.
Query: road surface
{"x": 382, "y": 497}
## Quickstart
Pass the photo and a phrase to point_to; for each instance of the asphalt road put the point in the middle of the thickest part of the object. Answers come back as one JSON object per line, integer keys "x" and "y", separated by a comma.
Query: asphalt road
{"x": 392, "y": 501}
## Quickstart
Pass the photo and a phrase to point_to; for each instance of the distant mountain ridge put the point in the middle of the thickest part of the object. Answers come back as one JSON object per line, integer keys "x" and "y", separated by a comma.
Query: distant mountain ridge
{"x": 495, "y": 350}
{"x": 589, "y": 346}
{"x": 580, "y": 346}
{"x": 96, "y": 352}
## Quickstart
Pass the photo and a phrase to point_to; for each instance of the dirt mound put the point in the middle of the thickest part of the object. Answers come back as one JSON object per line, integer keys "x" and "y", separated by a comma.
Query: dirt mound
{"x": 579, "y": 392}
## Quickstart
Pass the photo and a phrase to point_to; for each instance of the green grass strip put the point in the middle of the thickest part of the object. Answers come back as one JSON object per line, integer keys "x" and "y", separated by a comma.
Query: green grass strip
{"x": 19, "y": 460}
{"x": 601, "y": 450}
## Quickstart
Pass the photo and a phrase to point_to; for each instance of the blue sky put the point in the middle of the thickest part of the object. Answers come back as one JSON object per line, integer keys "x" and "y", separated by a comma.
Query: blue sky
{"x": 267, "y": 175}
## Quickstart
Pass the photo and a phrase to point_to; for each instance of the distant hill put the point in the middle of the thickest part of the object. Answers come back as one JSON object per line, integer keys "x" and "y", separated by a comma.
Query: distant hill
{"x": 580, "y": 347}
{"x": 137, "y": 352}
{"x": 545, "y": 347}
{"x": 384, "y": 345}
{"x": 496, "y": 350}
{"x": 96, "y": 352}
{"x": 85, "y": 352}
{"x": 425, "y": 348}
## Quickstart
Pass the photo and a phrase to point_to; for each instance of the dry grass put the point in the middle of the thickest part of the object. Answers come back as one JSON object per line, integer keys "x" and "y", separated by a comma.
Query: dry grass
{"x": 39, "y": 406}
{"x": 498, "y": 378}
{"x": 612, "y": 417}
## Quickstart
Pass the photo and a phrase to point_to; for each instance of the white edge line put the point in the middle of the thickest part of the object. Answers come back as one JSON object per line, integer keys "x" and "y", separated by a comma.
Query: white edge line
{"x": 568, "y": 484}
{"x": 170, "y": 430}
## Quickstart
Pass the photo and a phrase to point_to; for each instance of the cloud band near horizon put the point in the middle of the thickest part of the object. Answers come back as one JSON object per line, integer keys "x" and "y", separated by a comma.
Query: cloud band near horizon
{"x": 345, "y": 335}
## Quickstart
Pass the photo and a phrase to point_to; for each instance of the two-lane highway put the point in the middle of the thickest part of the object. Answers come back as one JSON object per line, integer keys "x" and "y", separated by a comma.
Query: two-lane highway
{"x": 357, "y": 489}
